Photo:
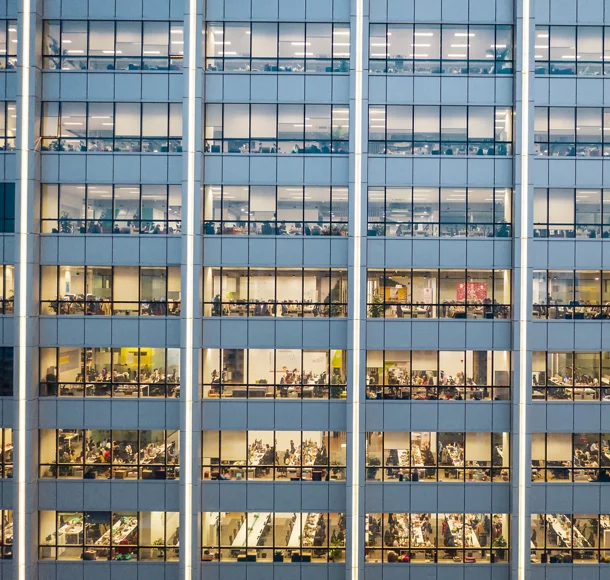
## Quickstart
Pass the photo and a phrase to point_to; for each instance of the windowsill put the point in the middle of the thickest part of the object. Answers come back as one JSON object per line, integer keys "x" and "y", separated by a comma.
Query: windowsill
{"x": 444, "y": 75}
{"x": 87, "y": 70}
{"x": 334, "y": 155}
{"x": 573, "y": 157}
{"x": 106, "y": 153}
{"x": 275, "y": 72}
{"x": 412, "y": 156}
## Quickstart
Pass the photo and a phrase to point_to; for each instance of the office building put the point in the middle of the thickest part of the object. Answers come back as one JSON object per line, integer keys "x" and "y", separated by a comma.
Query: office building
{"x": 304, "y": 289}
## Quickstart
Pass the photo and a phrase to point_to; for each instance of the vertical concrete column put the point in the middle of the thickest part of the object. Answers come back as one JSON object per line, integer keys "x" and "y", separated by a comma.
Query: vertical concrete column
{"x": 522, "y": 284}
{"x": 190, "y": 359}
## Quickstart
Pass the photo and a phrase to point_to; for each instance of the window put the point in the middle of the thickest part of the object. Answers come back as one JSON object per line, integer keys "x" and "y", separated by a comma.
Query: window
{"x": 438, "y": 293}
{"x": 426, "y": 537}
{"x": 285, "y": 129}
{"x": 7, "y": 208}
{"x": 111, "y": 209}
{"x": 438, "y": 375}
{"x": 431, "y": 456}
{"x": 572, "y": 131}
{"x": 440, "y": 130}
{"x": 6, "y": 459}
{"x": 441, "y": 49}
{"x": 109, "y": 535}
{"x": 106, "y": 454}
{"x": 446, "y": 212}
{"x": 109, "y": 372}
{"x": 256, "y": 46}
{"x": 571, "y": 213}
{"x": 280, "y": 292}
{"x": 581, "y": 376}
{"x": 569, "y": 538}
{"x": 7, "y": 289}
{"x": 268, "y": 455}
{"x": 8, "y": 125}
{"x": 6, "y": 537}
{"x": 567, "y": 457}
{"x": 281, "y": 373}
{"x": 572, "y": 50}
{"x": 112, "y": 127}
{"x": 571, "y": 295}
{"x": 107, "y": 290}
{"x": 273, "y": 537}
{"x": 8, "y": 44}
{"x": 271, "y": 210}
{"x": 112, "y": 45}
{"x": 6, "y": 371}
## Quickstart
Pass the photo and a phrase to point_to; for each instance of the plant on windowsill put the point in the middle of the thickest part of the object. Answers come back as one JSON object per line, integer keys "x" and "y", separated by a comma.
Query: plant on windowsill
{"x": 160, "y": 551}
{"x": 372, "y": 468}
{"x": 499, "y": 544}
{"x": 502, "y": 230}
{"x": 376, "y": 308}
{"x": 335, "y": 553}
{"x": 65, "y": 223}
{"x": 335, "y": 387}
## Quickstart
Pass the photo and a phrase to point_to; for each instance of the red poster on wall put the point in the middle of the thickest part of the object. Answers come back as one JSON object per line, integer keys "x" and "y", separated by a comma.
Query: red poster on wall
{"x": 471, "y": 291}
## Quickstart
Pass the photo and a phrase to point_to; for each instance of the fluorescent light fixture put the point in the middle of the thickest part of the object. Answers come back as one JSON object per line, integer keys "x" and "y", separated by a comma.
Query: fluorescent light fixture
{"x": 420, "y": 45}
{"x": 423, "y": 34}
{"x": 463, "y": 34}
{"x": 456, "y": 55}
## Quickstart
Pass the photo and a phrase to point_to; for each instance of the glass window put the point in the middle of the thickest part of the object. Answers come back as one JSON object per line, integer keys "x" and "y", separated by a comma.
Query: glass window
{"x": 109, "y": 45}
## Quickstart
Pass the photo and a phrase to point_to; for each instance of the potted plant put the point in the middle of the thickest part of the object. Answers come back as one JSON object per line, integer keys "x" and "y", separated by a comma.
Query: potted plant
{"x": 502, "y": 230}
{"x": 499, "y": 544}
{"x": 376, "y": 308}
{"x": 372, "y": 467}
{"x": 65, "y": 223}
{"x": 161, "y": 545}
{"x": 335, "y": 554}
{"x": 335, "y": 469}
{"x": 336, "y": 388}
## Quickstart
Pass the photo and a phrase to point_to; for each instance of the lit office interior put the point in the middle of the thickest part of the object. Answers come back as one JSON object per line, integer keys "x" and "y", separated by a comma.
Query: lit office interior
{"x": 109, "y": 454}
{"x": 269, "y": 210}
{"x": 430, "y": 456}
{"x": 313, "y": 47}
{"x": 475, "y": 212}
{"x": 437, "y": 538}
{"x": 566, "y": 457}
{"x": 280, "y": 455}
{"x": 582, "y": 376}
{"x": 279, "y": 373}
{"x": 394, "y": 49}
{"x": 112, "y": 45}
{"x": 571, "y": 294}
{"x": 109, "y": 372}
{"x": 111, "y": 209}
{"x": 441, "y": 293}
{"x": 299, "y": 292}
{"x": 119, "y": 536}
{"x": 110, "y": 290}
{"x": 316, "y": 537}
{"x": 444, "y": 375}
{"x": 571, "y": 213}
{"x": 570, "y": 538}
